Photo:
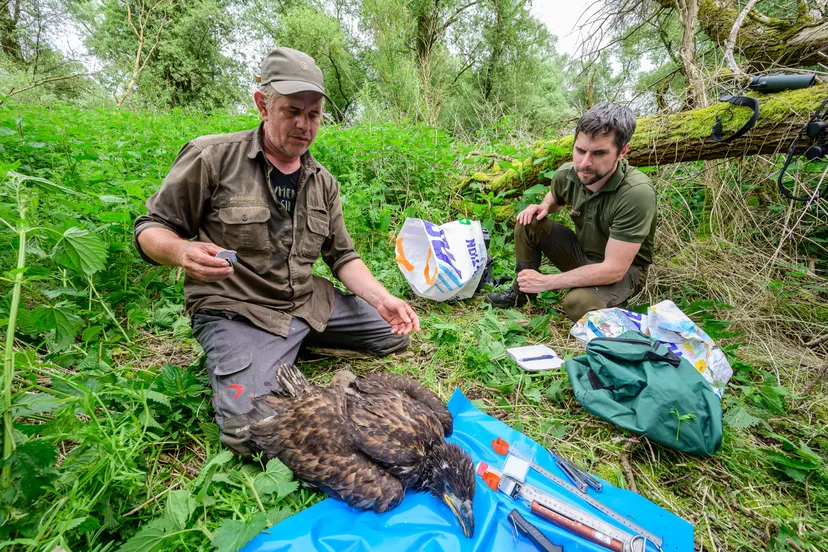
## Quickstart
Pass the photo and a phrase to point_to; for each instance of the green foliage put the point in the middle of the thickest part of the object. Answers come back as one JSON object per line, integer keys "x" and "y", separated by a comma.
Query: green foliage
{"x": 681, "y": 418}
{"x": 75, "y": 180}
{"x": 460, "y": 66}
{"x": 180, "y": 54}
{"x": 324, "y": 39}
{"x": 233, "y": 534}
{"x": 115, "y": 442}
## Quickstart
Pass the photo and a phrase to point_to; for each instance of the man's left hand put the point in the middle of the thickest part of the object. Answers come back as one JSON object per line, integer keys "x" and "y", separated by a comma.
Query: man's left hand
{"x": 532, "y": 281}
{"x": 400, "y": 315}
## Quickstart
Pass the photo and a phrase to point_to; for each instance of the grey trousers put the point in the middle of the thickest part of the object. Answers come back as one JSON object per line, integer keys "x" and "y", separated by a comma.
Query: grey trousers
{"x": 242, "y": 359}
{"x": 561, "y": 247}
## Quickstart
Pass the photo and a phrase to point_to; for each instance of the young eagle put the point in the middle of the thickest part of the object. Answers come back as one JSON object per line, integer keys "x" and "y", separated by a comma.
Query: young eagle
{"x": 365, "y": 440}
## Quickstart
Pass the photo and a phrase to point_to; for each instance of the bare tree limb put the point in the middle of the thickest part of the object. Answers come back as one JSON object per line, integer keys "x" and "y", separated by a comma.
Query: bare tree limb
{"x": 688, "y": 15}
{"x": 129, "y": 19}
{"x": 453, "y": 17}
{"x": 593, "y": 54}
{"x": 731, "y": 39}
{"x": 139, "y": 65}
{"x": 763, "y": 19}
{"x": 14, "y": 92}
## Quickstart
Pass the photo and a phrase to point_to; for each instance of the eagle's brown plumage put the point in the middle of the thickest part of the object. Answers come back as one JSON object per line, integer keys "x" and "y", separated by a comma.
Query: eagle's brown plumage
{"x": 365, "y": 440}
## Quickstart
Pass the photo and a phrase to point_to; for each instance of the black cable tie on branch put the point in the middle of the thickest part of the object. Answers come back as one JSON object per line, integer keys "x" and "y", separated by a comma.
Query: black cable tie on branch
{"x": 739, "y": 101}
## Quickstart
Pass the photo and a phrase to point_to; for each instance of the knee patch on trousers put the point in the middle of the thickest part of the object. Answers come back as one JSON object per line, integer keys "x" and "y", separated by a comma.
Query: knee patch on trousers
{"x": 393, "y": 344}
{"x": 580, "y": 301}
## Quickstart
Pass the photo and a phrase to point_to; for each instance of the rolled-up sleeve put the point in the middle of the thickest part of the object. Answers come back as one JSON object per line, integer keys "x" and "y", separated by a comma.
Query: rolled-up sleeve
{"x": 338, "y": 248}
{"x": 179, "y": 204}
{"x": 559, "y": 185}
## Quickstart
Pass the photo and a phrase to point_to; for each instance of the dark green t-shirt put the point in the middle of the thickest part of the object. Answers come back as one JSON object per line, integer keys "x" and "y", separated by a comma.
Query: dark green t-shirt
{"x": 623, "y": 209}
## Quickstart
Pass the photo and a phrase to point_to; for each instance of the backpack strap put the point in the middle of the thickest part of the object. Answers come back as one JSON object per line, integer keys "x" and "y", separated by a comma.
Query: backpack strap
{"x": 594, "y": 381}
{"x": 670, "y": 358}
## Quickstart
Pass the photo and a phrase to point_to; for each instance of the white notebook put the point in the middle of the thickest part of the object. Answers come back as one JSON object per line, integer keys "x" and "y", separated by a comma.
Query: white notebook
{"x": 535, "y": 358}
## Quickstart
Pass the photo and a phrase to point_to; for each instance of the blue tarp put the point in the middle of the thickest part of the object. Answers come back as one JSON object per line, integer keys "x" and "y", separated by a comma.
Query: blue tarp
{"x": 424, "y": 523}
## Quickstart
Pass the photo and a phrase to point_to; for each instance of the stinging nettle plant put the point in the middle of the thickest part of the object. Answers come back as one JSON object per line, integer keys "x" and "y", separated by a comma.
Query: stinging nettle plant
{"x": 75, "y": 249}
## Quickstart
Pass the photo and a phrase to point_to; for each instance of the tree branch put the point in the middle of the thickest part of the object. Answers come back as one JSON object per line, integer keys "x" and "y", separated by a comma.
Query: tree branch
{"x": 129, "y": 19}
{"x": 453, "y": 17}
{"x": 139, "y": 66}
{"x": 14, "y": 92}
{"x": 731, "y": 39}
{"x": 683, "y": 137}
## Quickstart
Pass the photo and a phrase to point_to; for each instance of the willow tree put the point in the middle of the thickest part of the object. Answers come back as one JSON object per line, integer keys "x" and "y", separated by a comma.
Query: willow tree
{"x": 792, "y": 34}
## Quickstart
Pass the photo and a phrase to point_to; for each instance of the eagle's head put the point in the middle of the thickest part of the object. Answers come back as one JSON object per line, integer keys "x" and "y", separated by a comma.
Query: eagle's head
{"x": 450, "y": 477}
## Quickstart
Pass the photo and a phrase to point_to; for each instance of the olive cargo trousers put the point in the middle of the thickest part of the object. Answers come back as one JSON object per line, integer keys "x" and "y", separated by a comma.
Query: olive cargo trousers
{"x": 561, "y": 247}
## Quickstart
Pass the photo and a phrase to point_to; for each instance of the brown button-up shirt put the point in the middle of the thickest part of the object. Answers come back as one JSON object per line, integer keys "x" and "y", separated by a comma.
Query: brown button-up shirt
{"x": 218, "y": 190}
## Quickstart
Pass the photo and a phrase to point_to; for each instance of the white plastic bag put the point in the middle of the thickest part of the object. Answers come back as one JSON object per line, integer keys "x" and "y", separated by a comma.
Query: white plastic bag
{"x": 665, "y": 323}
{"x": 610, "y": 322}
{"x": 442, "y": 262}
{"x": 672, "y": 327}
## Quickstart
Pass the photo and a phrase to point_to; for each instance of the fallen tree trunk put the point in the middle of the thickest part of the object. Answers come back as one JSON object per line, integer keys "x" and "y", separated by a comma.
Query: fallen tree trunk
{"x": 766, "y": 42}
{"x": 772, "y": 42}
{"x": 678, "y": 138}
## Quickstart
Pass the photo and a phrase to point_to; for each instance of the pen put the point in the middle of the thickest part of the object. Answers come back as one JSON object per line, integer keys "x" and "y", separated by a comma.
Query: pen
{"x": 542, "y": 357}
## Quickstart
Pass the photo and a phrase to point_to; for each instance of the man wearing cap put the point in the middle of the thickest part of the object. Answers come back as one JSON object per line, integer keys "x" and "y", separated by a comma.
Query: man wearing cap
{"x": 261, "y": 194}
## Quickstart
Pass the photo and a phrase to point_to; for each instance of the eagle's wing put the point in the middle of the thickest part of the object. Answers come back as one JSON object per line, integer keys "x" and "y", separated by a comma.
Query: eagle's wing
{"x": 378, "y": 382}
{"x": 360, "y": 482}
{"x": 394, "y": 430}
{"x": 312, "y": 436}
{"x": 311, "y": 423}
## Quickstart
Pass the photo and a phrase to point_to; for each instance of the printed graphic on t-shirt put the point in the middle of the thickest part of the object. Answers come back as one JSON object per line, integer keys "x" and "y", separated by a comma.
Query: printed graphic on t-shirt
{"x": 284, "y": 188}
{"x": 286, "y": 196}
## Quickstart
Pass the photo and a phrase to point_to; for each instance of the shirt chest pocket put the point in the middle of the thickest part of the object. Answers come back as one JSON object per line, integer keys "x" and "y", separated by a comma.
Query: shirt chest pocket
{"x": 318, "y": 228}
{"x": 245, "y": 229}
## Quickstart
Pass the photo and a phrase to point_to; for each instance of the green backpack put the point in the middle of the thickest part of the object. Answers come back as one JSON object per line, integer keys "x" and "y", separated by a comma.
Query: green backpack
{"x": 642, "y": 386}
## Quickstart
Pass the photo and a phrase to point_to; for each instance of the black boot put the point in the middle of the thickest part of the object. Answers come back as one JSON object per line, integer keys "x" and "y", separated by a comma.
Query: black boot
{"x": 509, "y": 298}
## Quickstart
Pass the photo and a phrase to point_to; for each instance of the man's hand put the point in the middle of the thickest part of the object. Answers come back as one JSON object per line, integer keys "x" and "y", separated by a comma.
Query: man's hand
{"x": 532, "y": 281}
{"x": 534, "y": 211}
{"x": 200, "y": 262}
{"x": 399, "y": 314}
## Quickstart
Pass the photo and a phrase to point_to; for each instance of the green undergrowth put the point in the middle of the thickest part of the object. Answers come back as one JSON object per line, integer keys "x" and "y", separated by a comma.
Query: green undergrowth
{"x": 107, "y": 402}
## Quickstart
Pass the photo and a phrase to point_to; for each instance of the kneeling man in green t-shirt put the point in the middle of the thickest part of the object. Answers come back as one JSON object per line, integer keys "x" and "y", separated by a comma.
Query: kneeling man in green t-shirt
{"x": 613, "y": 209}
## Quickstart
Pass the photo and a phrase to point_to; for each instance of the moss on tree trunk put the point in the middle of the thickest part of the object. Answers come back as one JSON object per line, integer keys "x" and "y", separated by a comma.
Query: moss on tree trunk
{"x": 776, "y": 42}
{"x": 678, "y": 138}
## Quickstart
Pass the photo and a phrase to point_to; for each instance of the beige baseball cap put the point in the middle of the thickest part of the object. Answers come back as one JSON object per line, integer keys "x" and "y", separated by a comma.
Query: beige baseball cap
{"x": 290, "y": 71}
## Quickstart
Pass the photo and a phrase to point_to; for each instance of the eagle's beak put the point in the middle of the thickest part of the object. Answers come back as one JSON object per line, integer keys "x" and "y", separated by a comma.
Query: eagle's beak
{"x": 463, "y": 511}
